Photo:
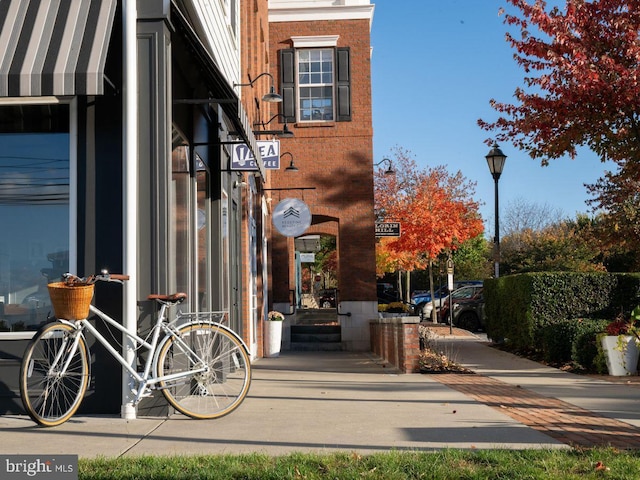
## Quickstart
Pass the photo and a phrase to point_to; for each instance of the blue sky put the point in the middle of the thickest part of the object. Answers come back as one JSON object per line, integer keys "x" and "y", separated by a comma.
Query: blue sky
{"x": 435, "y": 66}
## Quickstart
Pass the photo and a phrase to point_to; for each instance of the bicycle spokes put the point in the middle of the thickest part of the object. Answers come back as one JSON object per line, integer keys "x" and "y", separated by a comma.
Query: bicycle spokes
{"x": 218, "y": 369}
{"x": 54, "y": 374}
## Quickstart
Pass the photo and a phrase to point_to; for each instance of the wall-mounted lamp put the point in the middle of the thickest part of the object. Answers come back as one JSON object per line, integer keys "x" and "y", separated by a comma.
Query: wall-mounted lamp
{"x": 291, "y": 167}
{"x": 271, "y": 97}
{"x": 388, "y": 171}
{"x": 239, "y": 184}
{"x": 284, "y": 133}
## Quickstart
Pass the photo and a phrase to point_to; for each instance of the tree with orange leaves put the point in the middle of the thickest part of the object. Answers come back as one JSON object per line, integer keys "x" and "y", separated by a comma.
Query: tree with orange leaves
{"x": 436, "y": 212}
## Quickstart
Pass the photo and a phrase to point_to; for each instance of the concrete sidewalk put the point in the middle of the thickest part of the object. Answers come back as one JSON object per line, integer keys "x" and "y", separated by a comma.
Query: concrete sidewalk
{"x": 344, "y": 401}
{"x": 611, "y": 398}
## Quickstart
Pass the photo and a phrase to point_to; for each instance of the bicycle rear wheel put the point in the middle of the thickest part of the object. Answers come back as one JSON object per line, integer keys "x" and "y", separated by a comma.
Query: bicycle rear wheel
{"x": 51, "y": 393}
{"x": 215, "y": 392}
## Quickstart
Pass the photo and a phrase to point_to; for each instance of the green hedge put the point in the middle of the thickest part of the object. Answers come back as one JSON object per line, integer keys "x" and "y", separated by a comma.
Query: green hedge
{"x": 557, "y": 341}
{"x": 523, "y": 309}
{"x": 573, "y": 340}
{"x": 586, "y": 350}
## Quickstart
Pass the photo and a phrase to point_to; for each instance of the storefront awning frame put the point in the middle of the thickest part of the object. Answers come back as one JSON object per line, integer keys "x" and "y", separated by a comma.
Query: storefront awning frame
{"x": 225, "y": 96}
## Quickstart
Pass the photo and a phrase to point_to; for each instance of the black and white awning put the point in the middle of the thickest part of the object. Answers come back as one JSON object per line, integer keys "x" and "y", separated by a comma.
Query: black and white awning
{"x": 54, "y": 47}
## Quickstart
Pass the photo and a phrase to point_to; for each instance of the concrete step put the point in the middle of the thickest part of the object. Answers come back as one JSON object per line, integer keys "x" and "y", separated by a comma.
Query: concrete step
{"x": 316, "y": 347}
{"x": 316, "y": 329}
{"x": 311, "y": 316}
{"x": 316, "y": 337}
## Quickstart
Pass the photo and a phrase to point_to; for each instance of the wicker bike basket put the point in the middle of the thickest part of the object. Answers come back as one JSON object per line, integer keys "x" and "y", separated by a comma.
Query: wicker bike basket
{"x": 70, "y": 302}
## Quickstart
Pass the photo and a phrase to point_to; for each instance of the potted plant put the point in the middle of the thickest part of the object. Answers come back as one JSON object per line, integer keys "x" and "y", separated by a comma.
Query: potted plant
{"x": 273, "y": 334}
{"x": 621, "y": 345}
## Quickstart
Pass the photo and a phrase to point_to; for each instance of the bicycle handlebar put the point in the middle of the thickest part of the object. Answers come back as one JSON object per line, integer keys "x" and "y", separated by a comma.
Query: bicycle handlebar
{"x": 91, "y": 279}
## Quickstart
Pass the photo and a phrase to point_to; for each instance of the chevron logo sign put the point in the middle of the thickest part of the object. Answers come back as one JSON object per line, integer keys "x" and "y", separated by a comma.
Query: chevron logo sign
{"x": 291, "y": 212}
{"x": 291, "y": 217}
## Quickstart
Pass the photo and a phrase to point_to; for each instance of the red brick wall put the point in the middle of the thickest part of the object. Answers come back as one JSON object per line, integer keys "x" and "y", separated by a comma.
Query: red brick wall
{"x": 254, "y": 56}
{"x": 254, "y": 60}
{"x": 336, "y": 158}
{"x": 397, "y": 342}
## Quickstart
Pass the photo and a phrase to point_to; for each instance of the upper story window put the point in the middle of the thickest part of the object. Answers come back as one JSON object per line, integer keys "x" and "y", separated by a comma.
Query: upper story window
{"x": 315, "y": 80}
{"x": 315, "y": 84}
{"x": 230, "y": 9}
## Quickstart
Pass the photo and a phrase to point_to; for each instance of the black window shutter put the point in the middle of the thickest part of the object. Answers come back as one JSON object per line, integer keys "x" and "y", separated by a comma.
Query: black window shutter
{"x": 288, "y": 84}
{"x": 343, "y": 84}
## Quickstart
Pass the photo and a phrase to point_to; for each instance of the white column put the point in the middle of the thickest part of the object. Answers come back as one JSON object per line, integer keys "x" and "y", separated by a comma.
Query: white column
{"x": 130, "y": 206}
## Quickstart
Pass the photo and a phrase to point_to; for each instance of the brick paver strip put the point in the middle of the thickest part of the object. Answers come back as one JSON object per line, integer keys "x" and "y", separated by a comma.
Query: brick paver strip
{"x": 560, "y": 420}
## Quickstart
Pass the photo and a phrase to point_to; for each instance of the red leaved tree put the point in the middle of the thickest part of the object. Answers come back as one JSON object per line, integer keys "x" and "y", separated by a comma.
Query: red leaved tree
{"x": 582, "y": 88}
{"x": 436, "y": 212}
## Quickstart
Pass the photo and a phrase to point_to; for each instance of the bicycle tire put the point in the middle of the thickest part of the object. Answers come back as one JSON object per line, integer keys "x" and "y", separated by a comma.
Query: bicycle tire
{"x": 210, "y": 394}
{"x": 50, "y": 398}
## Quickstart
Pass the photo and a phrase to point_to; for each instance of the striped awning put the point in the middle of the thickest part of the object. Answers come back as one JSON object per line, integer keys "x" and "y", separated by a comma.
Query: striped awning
{"x": 54, "y": 47}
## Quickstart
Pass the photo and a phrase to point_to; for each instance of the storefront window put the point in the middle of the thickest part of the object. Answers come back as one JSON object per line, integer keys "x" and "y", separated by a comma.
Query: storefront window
{"x": 181, "y": 201}
{"x": 204, "y": 236}
{"x": 34, "y": 208}
{"x": 224, "y": 239}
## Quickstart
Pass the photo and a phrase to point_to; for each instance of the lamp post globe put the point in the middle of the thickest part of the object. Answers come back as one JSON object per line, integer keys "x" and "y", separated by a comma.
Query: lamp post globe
{"x": 496, "y": 160}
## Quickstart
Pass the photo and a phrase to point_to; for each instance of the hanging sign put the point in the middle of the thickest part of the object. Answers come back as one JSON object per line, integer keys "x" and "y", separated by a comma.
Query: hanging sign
{"x": 291, "y": 217}
{"x": 307, "y": 258}
{"x": 387, "y": 229}
{"x": 242, "y": 158}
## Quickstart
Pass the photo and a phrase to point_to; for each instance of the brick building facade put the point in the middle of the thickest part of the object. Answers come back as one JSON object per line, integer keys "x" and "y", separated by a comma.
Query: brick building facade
{"x": 332, "y": 147}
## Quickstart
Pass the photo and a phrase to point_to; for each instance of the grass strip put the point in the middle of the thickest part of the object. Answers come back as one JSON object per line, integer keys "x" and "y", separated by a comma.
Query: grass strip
{"x": 567, "y": 464}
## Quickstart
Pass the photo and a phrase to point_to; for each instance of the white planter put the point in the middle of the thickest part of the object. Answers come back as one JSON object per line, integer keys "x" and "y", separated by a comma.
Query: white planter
{"x": 272, "y": 338}
{"x": 622, "y": 355}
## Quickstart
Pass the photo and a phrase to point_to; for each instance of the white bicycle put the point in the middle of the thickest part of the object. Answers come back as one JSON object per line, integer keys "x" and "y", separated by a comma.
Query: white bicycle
{"x": 200, "y": 365}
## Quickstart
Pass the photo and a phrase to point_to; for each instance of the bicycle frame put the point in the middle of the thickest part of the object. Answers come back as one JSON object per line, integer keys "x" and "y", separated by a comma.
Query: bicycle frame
{"x": 145, "y": 380}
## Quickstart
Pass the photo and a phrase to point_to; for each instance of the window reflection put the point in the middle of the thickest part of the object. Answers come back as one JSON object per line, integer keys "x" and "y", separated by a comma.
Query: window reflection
{"x": 34, "y": 210}
{"x": 180, "y": 223}
{"x": 203, "y": 224}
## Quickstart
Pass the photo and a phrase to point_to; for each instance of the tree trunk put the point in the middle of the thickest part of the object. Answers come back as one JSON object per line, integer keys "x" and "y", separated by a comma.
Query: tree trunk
{"x": 434, "y": 317}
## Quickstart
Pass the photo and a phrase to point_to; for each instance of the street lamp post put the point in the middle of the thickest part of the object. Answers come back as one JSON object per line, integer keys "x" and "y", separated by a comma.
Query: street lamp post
{"x": 495, "y": 160}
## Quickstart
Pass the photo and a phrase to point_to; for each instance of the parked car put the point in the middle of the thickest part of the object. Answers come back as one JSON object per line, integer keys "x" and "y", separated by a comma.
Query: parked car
{"x": 417, "y": 293}
{"x": 468, "y": 311}
{"x": 421, "y": 301}
{"x": 422, "y": 304}
{"x": 386, "y": 293}
{"x": 327, "y": 298}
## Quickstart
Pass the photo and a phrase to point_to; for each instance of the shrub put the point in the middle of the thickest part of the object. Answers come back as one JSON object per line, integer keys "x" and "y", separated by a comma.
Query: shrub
{"x": 397, "y": 307}
{"x": 586, "y": 345}
{"x": 557, "y": 341}
{"x": 519, "y": 307}
{"x": 600, "y": 360}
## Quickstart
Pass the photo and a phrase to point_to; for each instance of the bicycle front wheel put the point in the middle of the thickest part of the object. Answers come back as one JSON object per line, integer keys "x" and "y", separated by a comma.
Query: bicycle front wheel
{"x": 54, "y": 374}
{"x": 217, "y": 390}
